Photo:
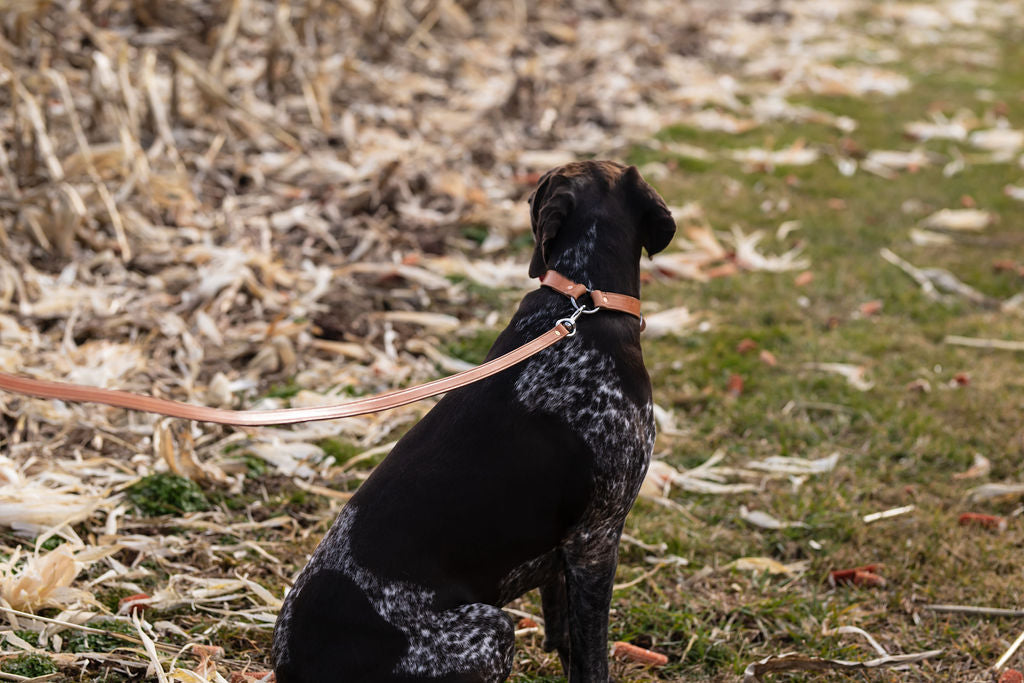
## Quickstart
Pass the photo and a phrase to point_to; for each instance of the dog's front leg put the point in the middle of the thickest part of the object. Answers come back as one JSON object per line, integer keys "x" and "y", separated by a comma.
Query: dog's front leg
{"x": 589, "y": 574}
{"x": 556, "y": 616}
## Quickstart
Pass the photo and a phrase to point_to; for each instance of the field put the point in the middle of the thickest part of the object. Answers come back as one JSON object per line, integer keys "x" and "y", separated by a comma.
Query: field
{"x": 253, "y": 204}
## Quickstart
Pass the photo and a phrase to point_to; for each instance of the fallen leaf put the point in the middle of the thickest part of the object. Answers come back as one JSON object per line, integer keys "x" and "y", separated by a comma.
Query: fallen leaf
{"x": 130, "y": 604}
{"x": 854, "y": 374}
{"x": 940, "y": 128}
{"x": 748, "y": 258}
{"x": 622, "y": 650}
{"x": 997, "y": 139}
{"x": 252, "y": 677}
{"x": 959, "y": 219}
{"x": 887, "y": 514}
{"x": 762, "y": 159}
{"x": 920, "y": 385}
{"x": 882, "y": 160}
{"x": 746, "y": 345}
{"x": 675, "y": 321}
{"x": 854, "y": 80}
{"x": 658, "y": 479}
{"x": 928, "y": 238}
{"x": 437, "y": 321}
{"x": 796, "y": 662}
{"x": 45, "y": 580}
{"x": 712, "y": 119}
{"x": 766, "y": 521}
{"x": 979, "y": 519}
{"x": 865, "y": 575}
{"x": 869, "y": 308}
{"x": 766, "y": 564}
{"x": 995, "y": 491}
{"x": 779, "y": 464}
{"x": 724, "y": 270}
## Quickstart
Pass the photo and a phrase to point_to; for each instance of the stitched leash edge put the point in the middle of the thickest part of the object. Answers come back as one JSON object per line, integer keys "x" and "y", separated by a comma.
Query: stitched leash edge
{"x": 254, "y": 418}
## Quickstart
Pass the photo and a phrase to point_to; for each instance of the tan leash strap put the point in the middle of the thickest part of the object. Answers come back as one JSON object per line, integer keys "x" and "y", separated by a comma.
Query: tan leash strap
{"x": 251, "y": 418}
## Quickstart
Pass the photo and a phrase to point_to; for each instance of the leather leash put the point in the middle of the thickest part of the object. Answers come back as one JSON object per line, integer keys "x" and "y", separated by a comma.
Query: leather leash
{"x": 564, "y": 328}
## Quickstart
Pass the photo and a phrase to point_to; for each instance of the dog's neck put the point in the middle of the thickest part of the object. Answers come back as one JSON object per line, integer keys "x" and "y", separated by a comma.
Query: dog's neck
{"x": 598, "y": 262}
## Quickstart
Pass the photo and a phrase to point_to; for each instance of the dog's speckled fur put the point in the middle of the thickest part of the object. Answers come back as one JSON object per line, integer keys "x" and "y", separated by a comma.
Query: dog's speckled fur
{"x": 523, "y": 480}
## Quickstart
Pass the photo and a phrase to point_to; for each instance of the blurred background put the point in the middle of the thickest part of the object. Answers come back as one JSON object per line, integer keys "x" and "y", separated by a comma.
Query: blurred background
{"x": 255, "y": 203}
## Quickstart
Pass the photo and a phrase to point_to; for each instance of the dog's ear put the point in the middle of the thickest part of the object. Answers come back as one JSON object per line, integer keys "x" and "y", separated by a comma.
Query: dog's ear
{"x": 656, "y": 223}
{"x": 550, "y": 204}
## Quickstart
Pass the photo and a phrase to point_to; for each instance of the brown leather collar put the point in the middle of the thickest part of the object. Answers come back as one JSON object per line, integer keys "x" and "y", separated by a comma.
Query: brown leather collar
{"x": 608, "y": 300}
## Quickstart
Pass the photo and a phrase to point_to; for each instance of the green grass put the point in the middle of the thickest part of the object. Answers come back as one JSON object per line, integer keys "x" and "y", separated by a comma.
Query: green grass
{"x": 166, "y": 494}
{"x": 79, "y": 641}
{"x": 472, "y": 348}
{"x": 897, "y": 446}
{"x": 338, "y": 449}
{"x": 28, "y": 665}
{"x": 284, "y": 391}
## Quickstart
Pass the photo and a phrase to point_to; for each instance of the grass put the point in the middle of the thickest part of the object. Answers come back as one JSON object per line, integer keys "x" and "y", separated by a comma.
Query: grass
{"x": 77, "y": 641}
{"x": 28, "y": 665}
{"x": 166, "y": 494}
{"x": 898, "y": 446}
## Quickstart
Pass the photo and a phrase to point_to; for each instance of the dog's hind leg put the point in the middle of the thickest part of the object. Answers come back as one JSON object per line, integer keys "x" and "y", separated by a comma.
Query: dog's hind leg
{"x": 328, "y": 630}
{"x": 466, "y": 644}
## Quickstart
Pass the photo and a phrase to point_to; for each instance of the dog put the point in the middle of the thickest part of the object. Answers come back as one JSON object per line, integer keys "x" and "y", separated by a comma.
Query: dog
{"x": 519, "y": 481}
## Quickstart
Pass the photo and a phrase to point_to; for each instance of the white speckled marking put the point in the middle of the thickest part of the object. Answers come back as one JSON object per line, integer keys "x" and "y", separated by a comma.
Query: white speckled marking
{"x": 470, "y": 638}
{"x": 575, "y": 258}
{"x": 578, "y": 384}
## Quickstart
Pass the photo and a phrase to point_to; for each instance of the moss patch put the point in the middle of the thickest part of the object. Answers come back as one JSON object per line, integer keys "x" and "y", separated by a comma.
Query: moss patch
{"x": 28, "y": 665}
{"x": 166, "y": 494}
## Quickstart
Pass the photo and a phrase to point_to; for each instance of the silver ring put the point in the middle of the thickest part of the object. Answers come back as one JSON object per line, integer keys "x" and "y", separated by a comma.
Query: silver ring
{"x": 580, "y": 309}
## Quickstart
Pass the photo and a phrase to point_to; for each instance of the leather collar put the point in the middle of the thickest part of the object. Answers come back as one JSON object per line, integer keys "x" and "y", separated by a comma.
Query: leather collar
{"x": 607, "y": 300}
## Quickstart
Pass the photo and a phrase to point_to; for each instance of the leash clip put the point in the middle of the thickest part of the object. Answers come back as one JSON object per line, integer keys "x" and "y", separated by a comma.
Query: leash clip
{"x": 570, "y": 323}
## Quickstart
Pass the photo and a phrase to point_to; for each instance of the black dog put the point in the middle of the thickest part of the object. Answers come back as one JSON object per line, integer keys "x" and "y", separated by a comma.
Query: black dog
{"x": 520, "y": 481}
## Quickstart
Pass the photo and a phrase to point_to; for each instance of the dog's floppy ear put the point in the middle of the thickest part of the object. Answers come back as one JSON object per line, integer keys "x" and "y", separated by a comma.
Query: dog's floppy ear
{"x": 550, "y": 204}
{"x": 656, "y": 223}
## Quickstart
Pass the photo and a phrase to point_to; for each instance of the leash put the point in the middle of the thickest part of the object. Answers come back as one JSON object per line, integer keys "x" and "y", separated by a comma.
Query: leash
{"x": 563, "y": 329}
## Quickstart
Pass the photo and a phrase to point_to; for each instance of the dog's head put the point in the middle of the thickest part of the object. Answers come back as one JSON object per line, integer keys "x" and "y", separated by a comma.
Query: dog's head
{"x": 576, "y": 197}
